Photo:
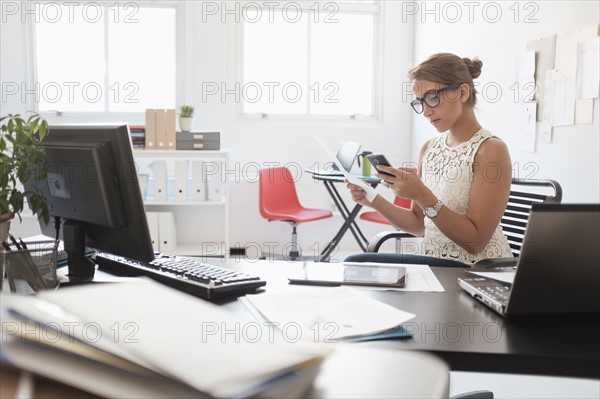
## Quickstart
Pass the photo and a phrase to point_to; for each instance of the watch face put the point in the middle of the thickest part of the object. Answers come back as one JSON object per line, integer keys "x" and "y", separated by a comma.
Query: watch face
{"x": 431, "y": 212}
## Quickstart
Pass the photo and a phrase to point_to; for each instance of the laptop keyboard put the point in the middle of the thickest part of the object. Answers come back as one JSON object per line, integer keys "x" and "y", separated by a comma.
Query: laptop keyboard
{"x": 499, "y": 293}
{"x": 187, "y": 275}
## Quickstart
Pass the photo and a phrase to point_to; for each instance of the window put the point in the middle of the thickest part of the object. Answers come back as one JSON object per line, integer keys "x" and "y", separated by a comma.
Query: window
{"x": 104, "y": 57}
{"x": 309, "y": 58}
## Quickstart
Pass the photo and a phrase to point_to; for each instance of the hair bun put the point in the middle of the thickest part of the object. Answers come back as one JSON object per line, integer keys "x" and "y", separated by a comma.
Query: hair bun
{"x": 474, "y": 66}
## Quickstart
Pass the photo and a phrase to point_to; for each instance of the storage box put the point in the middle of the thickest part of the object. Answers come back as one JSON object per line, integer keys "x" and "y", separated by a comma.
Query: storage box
{"x": 198, "y": 141}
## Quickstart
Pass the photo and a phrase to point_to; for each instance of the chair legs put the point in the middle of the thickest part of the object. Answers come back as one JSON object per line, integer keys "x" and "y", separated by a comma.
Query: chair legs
{"x": 294, "y": 252}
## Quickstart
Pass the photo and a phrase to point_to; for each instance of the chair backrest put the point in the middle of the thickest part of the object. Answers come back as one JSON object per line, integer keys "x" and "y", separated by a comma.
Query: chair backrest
{"x": 403, "y": 202}
{"x": 523, "y": 194}
{"x": 276, "y": 192}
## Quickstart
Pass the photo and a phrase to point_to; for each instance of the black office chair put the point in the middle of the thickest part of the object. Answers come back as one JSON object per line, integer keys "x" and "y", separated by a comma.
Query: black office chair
{"x": 523, "y": 194}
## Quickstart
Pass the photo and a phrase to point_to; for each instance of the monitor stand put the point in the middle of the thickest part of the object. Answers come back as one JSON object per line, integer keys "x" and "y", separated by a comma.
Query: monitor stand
{"x": 81, "y": 268}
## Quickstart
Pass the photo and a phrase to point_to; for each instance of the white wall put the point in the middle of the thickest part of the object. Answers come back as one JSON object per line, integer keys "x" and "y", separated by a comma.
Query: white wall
{"x": 573, "y": 156}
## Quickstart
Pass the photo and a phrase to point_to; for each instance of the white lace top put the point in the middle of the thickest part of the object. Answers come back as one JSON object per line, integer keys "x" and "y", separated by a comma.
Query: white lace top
{"x": 448, "y": 172}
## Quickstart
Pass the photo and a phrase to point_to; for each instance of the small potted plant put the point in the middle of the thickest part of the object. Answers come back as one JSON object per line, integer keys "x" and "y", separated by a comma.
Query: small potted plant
{"x": 20, "y": 152}
{"x": 186, "y": 114}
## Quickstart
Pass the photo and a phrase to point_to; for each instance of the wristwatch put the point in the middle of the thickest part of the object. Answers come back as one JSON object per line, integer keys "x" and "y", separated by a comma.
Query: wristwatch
{"x": 433, "y": 211}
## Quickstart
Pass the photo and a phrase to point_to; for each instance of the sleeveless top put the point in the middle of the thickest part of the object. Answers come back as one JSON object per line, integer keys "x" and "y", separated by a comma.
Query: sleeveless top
{"x": 448, "y": 173}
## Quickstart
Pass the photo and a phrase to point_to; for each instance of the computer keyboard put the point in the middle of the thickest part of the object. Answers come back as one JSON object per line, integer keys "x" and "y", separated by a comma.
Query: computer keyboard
{"x": 196, "y": 278}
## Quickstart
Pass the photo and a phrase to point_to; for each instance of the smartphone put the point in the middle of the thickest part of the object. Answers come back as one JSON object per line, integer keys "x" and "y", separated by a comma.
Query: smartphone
{"x": 351, "y": 274}
{"x": 379, "y": 159}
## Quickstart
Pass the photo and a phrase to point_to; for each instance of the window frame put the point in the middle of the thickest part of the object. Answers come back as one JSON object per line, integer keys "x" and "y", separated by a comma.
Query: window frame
{"x": 106, "y": 115}
{"x": 377, "y": 9}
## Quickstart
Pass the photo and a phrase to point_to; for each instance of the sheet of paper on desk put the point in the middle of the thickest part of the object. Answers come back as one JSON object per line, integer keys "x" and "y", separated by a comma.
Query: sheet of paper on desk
{"x": 371, "y": 192}
{"x": 187, "y": 341}
{"x": 327, "y": 314}
{"x": 505, "y": 277}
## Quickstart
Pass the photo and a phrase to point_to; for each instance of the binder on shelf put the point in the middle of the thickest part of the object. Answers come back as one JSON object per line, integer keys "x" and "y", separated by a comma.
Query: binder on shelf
{"x": 152, "y": 218}
{"x": 159, "y": 171}
{"x": 143, "y": 183}
{"x": 215, "y": 189}
{"x": 150, "y": 143}
{"x": 198, "y": 189}
{"x": 161, "y": 129}
{"x": 181, "y": 180}
{"x": 171, "y": 127}
{"x": 167, "y": 233}
{"x": 213, "y": 172}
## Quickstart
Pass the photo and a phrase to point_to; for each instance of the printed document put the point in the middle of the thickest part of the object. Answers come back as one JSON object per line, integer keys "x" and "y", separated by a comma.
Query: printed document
{"x": 371, "y": 193}
{"x": 326, "y": 314}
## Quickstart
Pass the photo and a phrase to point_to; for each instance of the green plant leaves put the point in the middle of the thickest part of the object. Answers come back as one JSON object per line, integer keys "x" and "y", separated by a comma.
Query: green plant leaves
{"x": 20, "y": 154}
{"x": 186, "y": 111}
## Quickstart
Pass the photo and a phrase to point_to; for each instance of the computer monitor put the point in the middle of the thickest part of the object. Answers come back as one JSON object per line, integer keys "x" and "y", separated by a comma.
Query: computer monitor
{"x": 92, "y": 186}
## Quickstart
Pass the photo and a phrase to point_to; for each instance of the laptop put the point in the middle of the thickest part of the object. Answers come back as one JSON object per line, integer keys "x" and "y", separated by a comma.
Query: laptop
{"x": 558, "y": 269}
{"x": 346, "y": 155}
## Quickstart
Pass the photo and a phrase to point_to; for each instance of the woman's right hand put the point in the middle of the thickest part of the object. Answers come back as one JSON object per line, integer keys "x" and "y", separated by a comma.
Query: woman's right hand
{"x": 359, "y": 195}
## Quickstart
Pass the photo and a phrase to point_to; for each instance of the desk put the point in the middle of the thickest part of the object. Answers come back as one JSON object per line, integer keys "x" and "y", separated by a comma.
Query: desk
{"x": 468, "y": 335}
{"x": 348, "y": 215}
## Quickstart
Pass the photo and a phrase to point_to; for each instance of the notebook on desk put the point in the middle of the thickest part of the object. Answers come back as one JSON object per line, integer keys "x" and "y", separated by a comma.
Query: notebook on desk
{"x": 558, "y": 270}
{"x": 346, "y": 155}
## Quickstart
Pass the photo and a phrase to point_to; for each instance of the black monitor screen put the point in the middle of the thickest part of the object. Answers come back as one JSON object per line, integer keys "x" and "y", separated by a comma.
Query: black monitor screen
{"x": 92, "y": 186}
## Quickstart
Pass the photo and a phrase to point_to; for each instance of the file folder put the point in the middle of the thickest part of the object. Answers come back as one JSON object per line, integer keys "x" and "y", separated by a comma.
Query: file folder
{"x": 198, "y": 189}
{"x": 214, "y": 175}
{"x": 161, "y": 129}
{"x": 215, "y": 191}
{"x": 152, "y": 218}
{"x": 143, "y": 183}
{"x": 150, "y": 129}
{"x": 159, "y": 170}
{"x": 168, "y": 232}
{"x": 171, "y": 127}
{"x": 181, "y": 180}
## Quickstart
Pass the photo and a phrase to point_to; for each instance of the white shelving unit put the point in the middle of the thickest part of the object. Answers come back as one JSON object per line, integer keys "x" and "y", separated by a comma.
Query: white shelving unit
{"x": 201, "y": 227}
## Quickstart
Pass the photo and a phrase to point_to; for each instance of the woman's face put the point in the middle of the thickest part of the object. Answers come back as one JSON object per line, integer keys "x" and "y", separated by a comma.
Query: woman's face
{"x": 442, "y": 104}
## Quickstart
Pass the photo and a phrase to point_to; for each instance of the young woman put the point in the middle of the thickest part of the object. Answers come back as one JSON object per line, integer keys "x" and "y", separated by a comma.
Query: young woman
{"x": 461, "y": 187}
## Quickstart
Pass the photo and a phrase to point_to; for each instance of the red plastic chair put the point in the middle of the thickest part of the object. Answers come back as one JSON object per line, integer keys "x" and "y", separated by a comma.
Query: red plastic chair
{"x": 278, "y": 200}
{"x": 375, "y": 217}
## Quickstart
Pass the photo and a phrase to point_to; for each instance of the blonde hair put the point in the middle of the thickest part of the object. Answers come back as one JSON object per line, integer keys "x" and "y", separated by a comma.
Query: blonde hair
{"x": 448, "y": 68}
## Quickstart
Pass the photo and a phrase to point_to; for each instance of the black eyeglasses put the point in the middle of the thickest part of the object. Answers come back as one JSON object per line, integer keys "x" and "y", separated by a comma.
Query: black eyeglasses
{"x": 431, "y": 98}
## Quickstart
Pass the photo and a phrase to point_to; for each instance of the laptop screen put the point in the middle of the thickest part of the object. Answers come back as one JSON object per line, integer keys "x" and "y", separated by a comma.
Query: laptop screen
{"x": 558, "y": 269}
{"x": 347, "y": 154}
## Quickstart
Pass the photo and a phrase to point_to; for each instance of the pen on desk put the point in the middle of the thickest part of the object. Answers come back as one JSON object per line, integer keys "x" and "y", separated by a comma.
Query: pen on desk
{"x": 22, "y": 243}
{"x": 14, "y": 241}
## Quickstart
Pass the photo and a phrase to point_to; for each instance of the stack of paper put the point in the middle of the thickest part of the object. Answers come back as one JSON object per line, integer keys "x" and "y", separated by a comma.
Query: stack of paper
{"x": 143, "y": 339}
{"x": 328, "y": 314}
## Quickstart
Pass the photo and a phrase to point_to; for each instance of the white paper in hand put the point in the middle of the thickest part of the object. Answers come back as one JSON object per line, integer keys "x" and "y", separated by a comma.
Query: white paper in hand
{"x": 371, "y": 192}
